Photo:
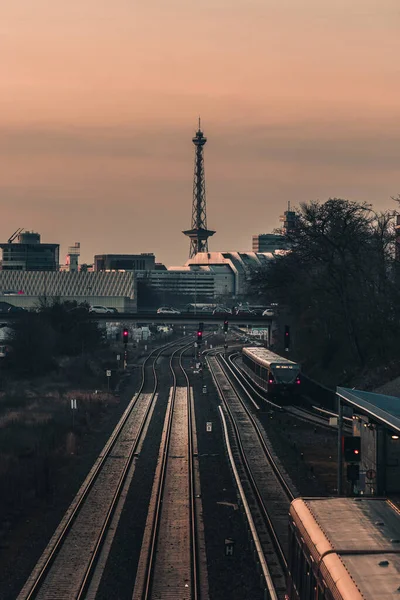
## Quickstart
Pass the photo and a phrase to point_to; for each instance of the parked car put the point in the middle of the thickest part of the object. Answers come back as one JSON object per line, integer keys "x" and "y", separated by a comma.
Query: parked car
{"x": 7, "y": 307}
{"x": 168, "y": 310}
{"x": 268, "y": 312}
{"x": 100, "y": 309}
{"x": 208, "y": 309}
{"x": 16, "y": 309}
{"x": 243, "y": 310}
{"x": 222, "y": 310}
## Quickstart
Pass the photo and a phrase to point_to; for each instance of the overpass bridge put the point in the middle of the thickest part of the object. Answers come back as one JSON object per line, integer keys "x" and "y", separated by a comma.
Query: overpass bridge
{"x": 170, "y": 319}
{"x": 183, "y": 319}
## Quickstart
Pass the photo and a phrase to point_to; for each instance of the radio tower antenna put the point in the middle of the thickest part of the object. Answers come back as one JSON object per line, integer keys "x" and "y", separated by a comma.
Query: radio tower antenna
{"x": 199, "y": 233}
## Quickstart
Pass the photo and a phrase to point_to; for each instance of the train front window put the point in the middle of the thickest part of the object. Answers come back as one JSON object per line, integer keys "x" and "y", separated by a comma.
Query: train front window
{"x": 285, "y": 373}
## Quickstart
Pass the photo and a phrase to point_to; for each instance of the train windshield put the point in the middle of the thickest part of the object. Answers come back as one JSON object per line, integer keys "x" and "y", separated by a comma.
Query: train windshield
{"x": 285, "y": 373}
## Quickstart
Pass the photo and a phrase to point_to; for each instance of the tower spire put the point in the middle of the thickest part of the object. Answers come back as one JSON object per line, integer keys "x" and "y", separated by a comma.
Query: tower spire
{"x": 199, "y": 233}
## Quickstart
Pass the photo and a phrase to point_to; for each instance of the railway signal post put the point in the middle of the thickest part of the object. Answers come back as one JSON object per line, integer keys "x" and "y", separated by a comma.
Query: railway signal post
{"x": 339, "y": 449}
{"x": 286, "y": 340}
{"x": 125, "y": 339}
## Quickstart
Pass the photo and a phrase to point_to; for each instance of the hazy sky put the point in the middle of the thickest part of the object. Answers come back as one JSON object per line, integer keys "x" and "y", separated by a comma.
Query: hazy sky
{"x": 99, "y": 100}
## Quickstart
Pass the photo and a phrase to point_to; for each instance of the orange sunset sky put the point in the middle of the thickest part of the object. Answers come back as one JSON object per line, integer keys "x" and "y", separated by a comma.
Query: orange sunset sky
{"x": 99, "y": 100}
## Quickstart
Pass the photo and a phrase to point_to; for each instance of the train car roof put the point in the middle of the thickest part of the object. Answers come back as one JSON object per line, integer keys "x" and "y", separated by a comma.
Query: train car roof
{"x": 263, "y": 355}
{"x": 363, "y": 532}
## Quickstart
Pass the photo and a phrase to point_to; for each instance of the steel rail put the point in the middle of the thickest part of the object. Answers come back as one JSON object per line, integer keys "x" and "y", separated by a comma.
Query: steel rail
{"x": 241, "y": 377}
{"x": 253, "y": 530}
{"x": 192, "y": 491}
{"x": 161, "y": 486}
{"x": 307, "y": 415}
{"x": 110, "y": 512}
{"x": 34, "y": 588}
{"x": 260, "y": 501}
{"x": 260, "y": 436}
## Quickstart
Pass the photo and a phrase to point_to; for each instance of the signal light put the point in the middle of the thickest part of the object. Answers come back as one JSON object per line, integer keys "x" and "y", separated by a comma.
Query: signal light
{"x": 352, "y": 449}
{"x": 199, "y": 336}
{"x": 125, "y": 335}
{"x": 226, "y": 325}
{"x": 201, "y": 326}
{"x": 286, "y": 339}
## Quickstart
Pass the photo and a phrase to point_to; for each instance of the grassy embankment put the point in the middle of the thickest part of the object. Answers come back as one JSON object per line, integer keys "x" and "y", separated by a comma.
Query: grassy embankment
{"x": 39, "y": 433}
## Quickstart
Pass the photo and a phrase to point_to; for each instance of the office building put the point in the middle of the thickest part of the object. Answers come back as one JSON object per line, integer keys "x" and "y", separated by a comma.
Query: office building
{"x": 29, "y": 254}
{"x": 27, "y": 289}
{"x": 180, "y": 284}
{"x": 269, "y": 242}
{"x": 124, "y": 262}
{"x": 231, "y": 269}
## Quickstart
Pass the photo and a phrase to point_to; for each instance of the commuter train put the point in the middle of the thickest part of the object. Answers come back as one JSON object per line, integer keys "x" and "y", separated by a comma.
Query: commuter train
{"x": 343, "y": 549}
{"x": 277, "y": 375}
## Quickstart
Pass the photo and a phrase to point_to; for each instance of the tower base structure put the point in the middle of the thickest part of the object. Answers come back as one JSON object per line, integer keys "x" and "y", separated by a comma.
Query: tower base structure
{"x": 198, "y": 240}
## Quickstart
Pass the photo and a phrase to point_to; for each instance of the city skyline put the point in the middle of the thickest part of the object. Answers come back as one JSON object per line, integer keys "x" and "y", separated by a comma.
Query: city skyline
{"x": 298, "y": 101}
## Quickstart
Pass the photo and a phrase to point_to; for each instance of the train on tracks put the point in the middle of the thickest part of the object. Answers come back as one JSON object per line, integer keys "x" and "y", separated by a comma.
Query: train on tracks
{"x": 277, "y": 375}
{"x": 344, "y": 549}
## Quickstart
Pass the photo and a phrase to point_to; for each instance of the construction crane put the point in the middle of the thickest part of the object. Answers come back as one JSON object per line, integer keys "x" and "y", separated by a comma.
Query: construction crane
{"x": 14, "y": 235}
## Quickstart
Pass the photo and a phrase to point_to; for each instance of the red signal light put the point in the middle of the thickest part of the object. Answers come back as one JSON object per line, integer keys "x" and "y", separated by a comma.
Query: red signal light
{"x": 352, "y": 448}
{"x": 125, "y": 335}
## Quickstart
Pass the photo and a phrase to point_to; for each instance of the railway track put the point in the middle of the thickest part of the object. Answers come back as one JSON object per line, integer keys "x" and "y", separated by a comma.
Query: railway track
{"x": 69, "y": 566}
{"x": 172, "y": 563}
{"x": 316, "y": 416}
{"x": 267, "y": 490}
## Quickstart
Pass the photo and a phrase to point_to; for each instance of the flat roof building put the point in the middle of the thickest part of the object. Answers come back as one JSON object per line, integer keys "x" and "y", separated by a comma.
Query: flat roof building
{"x": 113, "y": 289}
{"x": 124, "y": 262}
{"x": 231, "y": 269}
{"x": 29, "y": 254}
{"x": 181, "y": 281}
{"x": 269, "y": 242}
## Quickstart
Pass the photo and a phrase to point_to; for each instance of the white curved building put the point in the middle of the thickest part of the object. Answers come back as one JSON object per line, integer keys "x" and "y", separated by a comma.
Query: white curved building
{"x": 230, "y": 269}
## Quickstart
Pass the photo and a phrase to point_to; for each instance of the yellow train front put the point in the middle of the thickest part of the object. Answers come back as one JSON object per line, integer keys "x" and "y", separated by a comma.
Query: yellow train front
{"x": 277, "y": 375}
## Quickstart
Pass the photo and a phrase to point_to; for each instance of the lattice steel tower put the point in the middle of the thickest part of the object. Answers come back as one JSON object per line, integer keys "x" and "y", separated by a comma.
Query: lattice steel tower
{"x": 199, "y": 233}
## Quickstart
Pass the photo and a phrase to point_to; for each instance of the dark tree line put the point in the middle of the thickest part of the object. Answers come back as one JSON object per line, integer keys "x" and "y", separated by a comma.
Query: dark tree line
{"x": 338, "y": 284}
{"x": 40, "y": 338}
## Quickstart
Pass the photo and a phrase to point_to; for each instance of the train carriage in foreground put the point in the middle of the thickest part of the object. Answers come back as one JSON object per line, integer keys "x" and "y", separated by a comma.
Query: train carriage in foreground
{"x": 275, "y": 374}
{"x": 344, "y": 549}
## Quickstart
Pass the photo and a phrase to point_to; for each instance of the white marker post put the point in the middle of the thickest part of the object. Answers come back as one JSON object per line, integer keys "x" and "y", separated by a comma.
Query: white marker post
{"x": 108, "y": 373}
{"x": 73, "y": 408}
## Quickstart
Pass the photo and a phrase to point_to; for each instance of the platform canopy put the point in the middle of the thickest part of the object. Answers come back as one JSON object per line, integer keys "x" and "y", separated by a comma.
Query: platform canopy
{"x": 381, "y": 408}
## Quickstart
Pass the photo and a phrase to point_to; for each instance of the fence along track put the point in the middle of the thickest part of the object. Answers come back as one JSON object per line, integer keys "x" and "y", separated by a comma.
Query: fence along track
{"x": 169, "y": 563}
{"x": 268, "y": 500}
{"x": 65, "y": 567}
